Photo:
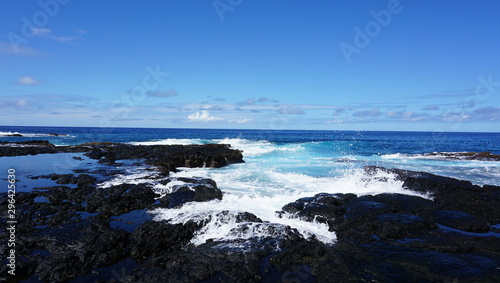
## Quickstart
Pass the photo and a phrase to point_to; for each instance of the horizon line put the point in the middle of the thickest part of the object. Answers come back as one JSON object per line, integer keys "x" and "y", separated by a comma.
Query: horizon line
{"x": 314, "y": 130}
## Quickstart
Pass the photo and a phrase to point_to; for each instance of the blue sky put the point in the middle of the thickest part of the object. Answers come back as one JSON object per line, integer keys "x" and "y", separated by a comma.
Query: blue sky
{"x": 260, "y": 64}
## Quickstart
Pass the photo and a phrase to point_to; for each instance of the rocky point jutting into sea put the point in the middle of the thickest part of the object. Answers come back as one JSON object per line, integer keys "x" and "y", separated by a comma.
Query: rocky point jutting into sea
{"x": 80, "y": 231}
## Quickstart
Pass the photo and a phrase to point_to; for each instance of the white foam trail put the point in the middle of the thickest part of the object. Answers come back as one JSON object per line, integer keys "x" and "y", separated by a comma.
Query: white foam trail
{"x": 133, "y": 176}
{"x": 168, "y": 188}
{"x": 223, "y": 225}
{"x": 263, "y": 193}
{"x": 479, "y": 172}
{"x": 254, "y": 148}
{"x": 31, "y": 135}
{"x": 21, "y": 145}
{"x": 450, "y": 156}
{"x": 255, "y": 179}
{"x": 9, "y": 133}
{"x": 171, "y": 142}
{"x": 250, "y": 148}
{"x": 273, "y": 176}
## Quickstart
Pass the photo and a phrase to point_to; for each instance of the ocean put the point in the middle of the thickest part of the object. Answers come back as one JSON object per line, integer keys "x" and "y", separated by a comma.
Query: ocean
{"x": 280, "y": 167}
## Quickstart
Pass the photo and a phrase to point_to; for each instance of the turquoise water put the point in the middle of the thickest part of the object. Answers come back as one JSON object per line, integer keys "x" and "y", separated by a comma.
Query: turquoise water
{"x": 313, "y": 153}
{"x": 282, "y": 166}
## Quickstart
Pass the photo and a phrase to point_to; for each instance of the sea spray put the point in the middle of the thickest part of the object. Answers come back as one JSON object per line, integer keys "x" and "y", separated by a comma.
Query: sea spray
{"x": 264, "y": 196}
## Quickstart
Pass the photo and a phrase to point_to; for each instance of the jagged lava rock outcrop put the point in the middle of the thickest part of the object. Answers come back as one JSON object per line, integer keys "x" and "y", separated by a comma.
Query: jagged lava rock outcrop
{"x": 395, "y": 237}
{"x": 166, "y": 157}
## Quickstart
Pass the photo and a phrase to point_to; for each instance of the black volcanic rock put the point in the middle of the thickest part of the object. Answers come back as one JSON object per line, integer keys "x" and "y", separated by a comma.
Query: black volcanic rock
{"x": 194, "y": 189}
{"x": 65, "y": 233}
{"x": 120, "y": 199}
{"x": 452, "y": 194}
{"x": 76, "y": 234}
{"x": 32, "y": 147}
{"x": 95, "y": 245}
{"x": 155, "y": 238}
{"x": 394, "y": 237}
{"x": 166, "y": 157}
{"x": 483, "y": 156}
{"x": 64, "y": 179}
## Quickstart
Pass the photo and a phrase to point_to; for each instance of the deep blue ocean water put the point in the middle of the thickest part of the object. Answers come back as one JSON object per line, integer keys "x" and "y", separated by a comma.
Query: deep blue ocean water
{"x": 280, "y": 167}
{"x": 367, "y": 142}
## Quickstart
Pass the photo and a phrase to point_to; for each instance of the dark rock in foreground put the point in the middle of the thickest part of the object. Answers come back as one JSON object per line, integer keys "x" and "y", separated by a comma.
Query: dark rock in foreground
{"x": 396, "y": 238}
{"x": 193, "y": 189}
{"x": 452, "y": 194}
{"x": 86, "y": 234}
{"x": 64, "y": 179}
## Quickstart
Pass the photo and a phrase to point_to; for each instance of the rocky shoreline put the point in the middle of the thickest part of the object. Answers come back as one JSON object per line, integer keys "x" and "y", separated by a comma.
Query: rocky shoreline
{"x": 76, "y": 232}
{"x": 166, "y": 157}
{"x": 482, "y": 156}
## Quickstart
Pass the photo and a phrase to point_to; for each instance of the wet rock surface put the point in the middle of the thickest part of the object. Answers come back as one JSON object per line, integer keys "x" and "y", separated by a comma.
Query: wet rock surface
{"x": 32, "y": 147}
{"x": 483, "y": 156}
{"x": 166, "y": 157}
{"x": 396, "y": 238}
{"x": 79, "y": 232}
{"x": 193, "y": 189}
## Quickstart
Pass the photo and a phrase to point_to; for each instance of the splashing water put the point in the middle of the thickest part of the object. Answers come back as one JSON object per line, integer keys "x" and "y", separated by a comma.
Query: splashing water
{"x": 263, "y": 185}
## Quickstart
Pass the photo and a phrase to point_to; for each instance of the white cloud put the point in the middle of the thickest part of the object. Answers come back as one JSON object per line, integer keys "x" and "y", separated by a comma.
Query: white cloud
{"x": 21, "y": 103}
{"x": 203, "y": 116}
{"x": 80, "y": 31}
{"x": 211, "y": 107}
{"x": 159, "y": 93}
{"x": 489, "y": 113}
{"x": 41, "y": 31}
{"x": 48, "y": 34}
{"x": 267, "y": 99}
{"x": 240, "y": 121}
{"x": 250, "y": 101}
{"x": 454, "y": 117}
{"x": 336, "y": 121}
{"x": 291, "y": 110}
{"x": 432, "y": 107}
{"x": 27, "y": 80}
{"x": 367, "y": 113}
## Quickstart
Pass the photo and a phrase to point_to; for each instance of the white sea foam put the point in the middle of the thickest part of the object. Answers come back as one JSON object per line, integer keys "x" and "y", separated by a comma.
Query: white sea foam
{"x": 135, "y": 175}
{"x": 172, "y": 185}
{"x": 254, "y": 148}
{"x": 31, "y": 135}
{"x": 250, "y": 148}
{"x": 21, "y": 145}
{"x": 167, "y": 188}
{"x": 263, "y": 193}
{"x": 454, "y": 156}
{"x": 277, "y": 174}
{"x": 223, "y": 226}
{"x": 170, "y": 142}
{"x": 479, "y": 172}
